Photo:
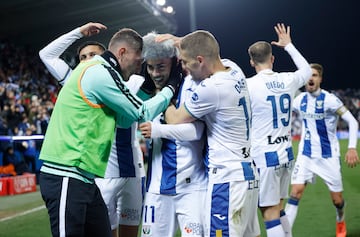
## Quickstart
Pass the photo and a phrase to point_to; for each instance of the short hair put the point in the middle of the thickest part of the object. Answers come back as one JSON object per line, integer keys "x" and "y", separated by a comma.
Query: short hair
{"x": 202, "y": 43}
{"x": 318, "y": 67}
{"x": 158, "y": 50}
{"x": 260, "y": 51}
{"x": 128, "y": 36}
{"x": 87, "y": 43}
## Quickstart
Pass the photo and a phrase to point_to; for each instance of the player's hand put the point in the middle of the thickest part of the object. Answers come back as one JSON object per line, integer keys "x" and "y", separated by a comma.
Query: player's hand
{"x": 148, "y": 85}
{"x": 145, "y": 129}
{"x": 352, "y": 158}
{"x": 92, "y": 28}
{"x": 283, "y": 35}
{"x": 164, "y": 37}
{"x": 175, "y": 77}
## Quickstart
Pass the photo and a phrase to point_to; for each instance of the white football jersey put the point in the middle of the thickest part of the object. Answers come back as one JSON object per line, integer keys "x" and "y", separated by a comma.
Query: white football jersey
{"x": 222, "y": 102}
{"x": 176, "y": 166}
{"x": 318, "y": 135}
{"x": 271, "y": 96}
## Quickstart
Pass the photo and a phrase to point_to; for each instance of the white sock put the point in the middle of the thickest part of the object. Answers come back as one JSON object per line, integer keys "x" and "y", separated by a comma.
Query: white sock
{"x": 274, "y": 228}
{"x": 285, "y": 223}
{"x": 291, "y": 209}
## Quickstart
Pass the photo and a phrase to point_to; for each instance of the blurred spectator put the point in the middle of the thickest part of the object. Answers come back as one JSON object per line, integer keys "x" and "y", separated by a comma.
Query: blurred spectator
{"x": 29, "y": 150}
{"x": 11, "y": 157}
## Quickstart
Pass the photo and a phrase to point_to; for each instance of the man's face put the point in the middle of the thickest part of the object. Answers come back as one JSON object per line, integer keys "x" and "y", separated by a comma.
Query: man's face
{"x": 159, "y": 71}
{"x": 314, "y": 82}
{"x": 131, "y": 62}
{"x": 192, "y": 66}
{"x": 89, "y": 51}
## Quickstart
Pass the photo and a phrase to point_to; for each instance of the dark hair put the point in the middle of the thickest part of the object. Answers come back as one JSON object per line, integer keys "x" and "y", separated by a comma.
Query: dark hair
{"x": 127, "y": 35}
{"x": 87, "y": 43}
{"x": 318, "y": 67}
{"x": 260, "y": 52}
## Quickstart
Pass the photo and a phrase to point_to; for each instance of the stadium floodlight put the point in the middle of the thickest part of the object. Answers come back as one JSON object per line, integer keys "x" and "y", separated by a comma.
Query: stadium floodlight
{"x": 161, "y": 2}
{"x": 168, "y": 10}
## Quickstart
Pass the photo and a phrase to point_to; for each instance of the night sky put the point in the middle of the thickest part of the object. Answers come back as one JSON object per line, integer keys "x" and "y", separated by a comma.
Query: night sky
{"x": 324, "y": 31}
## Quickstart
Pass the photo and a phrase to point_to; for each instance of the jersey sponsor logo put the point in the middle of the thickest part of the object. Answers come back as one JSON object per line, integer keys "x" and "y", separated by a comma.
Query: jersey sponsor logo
{"x": 194, "y": 229}
{"x": 220, "y": 217}
{"x": 130, "y": 214}
{"x": 278, "y": 140}
{"x": 312, "y": 116}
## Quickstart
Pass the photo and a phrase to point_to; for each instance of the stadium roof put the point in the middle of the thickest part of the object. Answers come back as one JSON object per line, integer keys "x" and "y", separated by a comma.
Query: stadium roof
{"x": 36, "y": 23}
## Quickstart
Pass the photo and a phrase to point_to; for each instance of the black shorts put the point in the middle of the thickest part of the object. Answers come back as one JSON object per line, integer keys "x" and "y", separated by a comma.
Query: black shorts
{"x": 75, "y": 208}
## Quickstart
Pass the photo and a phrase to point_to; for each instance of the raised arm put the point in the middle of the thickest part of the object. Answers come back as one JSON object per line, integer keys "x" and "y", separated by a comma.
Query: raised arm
{"x": 50, "y": 54}
{"x": 284, "y": 41}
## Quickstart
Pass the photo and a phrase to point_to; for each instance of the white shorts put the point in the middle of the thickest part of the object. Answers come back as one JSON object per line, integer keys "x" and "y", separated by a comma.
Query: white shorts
{"x": 164, "y": 214}
{"x": 328, "y": 169}
{"x": 123, "y": 198}
{"x": 274, "y": 184}
{"x": 231, "y": 209}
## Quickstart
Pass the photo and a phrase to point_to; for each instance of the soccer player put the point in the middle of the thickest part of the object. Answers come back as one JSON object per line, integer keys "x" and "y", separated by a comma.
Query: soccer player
{"x": 319, "y": 151}
{"x": 271, "y": 96}
{"x": 50, "y": 54}
{"x": 81, "y": 129}
{"x": 221, "y": 100}
{"x": 122, "y": 187}
{"x": 176, "y": 178}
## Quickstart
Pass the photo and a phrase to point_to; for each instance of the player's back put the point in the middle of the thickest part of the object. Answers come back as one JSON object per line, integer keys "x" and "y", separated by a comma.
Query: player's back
{"x": 225, "y": 108}
{"x": 271, "y": 96}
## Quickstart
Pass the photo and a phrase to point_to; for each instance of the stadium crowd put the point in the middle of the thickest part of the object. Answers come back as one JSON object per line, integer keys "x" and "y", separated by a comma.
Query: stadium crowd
{"x": 28, "y": 93}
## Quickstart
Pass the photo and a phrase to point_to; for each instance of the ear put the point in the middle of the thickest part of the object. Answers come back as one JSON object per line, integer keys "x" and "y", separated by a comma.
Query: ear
{"x": 272, "y": 58}
{"x": 252, "y": 63}
{"x": 121, "y": 51}
{"x": 200, "y": 59}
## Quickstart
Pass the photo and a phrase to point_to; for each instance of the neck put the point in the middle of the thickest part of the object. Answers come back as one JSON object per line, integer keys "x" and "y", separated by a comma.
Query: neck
{"x": 316, "y": 93}
{"x": 112, "y": 60}
{"x": 264, "y": 66}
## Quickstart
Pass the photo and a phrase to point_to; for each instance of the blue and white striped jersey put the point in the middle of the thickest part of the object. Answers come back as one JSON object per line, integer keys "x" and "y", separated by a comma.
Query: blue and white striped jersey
{"x": 318, "y": 136}
{"x": 271, "y": 96}
{"x": 222, "y": 102}
{"x": 177, "y": 166}
{"x": 126, "y": 157}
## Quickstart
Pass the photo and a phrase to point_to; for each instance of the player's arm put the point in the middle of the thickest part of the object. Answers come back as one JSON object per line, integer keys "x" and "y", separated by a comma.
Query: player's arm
{"x": 180, "y": 115}
{"x": 351, "y": 156}
{"x": 182, "y": 132}
{"x": 50, "y": 54}
{"x": 284, "y": 41}
{"x": 99, "y": 88}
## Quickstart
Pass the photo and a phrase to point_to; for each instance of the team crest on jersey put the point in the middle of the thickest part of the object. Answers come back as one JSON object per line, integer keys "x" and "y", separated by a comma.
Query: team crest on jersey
{"x": 146, "y": 229}
{"x": 194, "y": 97}
{"x": 319, "y": 104}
